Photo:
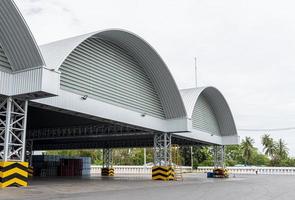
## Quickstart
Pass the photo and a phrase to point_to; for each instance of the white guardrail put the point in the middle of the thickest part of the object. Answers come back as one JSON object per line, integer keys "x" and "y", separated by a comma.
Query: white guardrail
{"x": 128, "y": 169}
{"x": 253, "y": 170}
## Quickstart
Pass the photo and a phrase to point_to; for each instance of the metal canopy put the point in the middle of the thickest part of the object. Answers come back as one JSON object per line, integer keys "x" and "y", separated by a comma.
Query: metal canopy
{"x": 55, "y": 130}
{"x": 67, "y": 121}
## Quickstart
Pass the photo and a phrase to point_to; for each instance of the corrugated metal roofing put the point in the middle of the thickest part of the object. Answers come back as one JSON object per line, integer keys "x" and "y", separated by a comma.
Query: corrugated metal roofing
{"x": 190, "y": 97}
{"x": 106, "y": 72}
{"x": 56, "y": 53}
{"x": 218, "y": 104}
{"x": 4, "y": 63}
{"x": 204, "y": 117}
{"x": 16, "y": 39}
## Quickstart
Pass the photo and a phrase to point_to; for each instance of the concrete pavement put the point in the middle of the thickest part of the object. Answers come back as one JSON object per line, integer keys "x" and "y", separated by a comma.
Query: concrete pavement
{"x": 141, "y": 187}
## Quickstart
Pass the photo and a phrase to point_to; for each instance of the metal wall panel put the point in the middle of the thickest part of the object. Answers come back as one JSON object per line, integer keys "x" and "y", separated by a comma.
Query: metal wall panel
{"x": 204, "y": 118}
{"x": 107, "y": 72}
{"x": 5, "y": 83}
{"x": 32, "y": 83}
{"x": 4, "y": 63}
{"x": 20, "y": 83}
{"x": 27, "y": 81}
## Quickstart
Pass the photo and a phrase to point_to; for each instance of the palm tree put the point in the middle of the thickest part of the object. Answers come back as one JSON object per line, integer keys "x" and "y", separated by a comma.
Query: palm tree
{"x": 247, "y": 149}
{"x": 269, "y": 146}
{"x": 281, "y": 149}
{"x": 265, "y": 140}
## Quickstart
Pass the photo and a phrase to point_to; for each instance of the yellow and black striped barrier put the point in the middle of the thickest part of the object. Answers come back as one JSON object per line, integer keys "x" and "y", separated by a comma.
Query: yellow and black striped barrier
{"x": 107, "y": 172}
{"x": 13, "y": 174}
{"x": 163, "y": 173}
{"x": 30, "y": 171}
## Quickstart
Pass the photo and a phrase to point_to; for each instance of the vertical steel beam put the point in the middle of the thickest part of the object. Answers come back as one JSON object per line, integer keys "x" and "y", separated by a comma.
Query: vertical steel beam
{"x": 2, "y": 127}
{"x": 7, "y": 128}
{"x": 24, "y": 134}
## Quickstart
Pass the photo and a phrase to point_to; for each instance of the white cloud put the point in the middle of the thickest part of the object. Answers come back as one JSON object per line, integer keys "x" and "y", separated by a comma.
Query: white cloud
{"x": 244, "y": 48}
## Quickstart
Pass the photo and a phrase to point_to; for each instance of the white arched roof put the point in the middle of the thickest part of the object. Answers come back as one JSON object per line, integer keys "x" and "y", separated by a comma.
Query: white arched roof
{"x": 16, "y": 39}
{"x": 218, "y": 103}
{"x": 56, "y": 53}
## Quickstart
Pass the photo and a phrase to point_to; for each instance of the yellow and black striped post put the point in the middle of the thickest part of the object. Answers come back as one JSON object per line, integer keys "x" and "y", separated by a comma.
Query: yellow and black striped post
{"x": 163, "y": 173}
{"x": 13, "y": 174}
{"x": 107, "y": 172}
{"x": 30, "y": 171}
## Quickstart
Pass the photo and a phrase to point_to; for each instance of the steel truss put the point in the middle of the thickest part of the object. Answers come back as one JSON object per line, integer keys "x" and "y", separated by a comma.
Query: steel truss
{"x": 107, "y": 158}
{"x": 218, "y": 154}
{"x": 13, "y": 120}
{"x": 82, "y": 131}
{"x": 162, "y": 149}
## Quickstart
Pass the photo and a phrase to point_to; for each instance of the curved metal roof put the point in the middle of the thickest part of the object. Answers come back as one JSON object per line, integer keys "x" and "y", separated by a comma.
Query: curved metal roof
{"x": 219, "y": 105}
{"x": 16, "y": 39}
{"x": 56, "y": 53}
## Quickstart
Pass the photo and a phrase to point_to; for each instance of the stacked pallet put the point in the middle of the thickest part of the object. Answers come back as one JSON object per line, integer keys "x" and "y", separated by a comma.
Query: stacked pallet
{"x": 86, "y": 166}
{"x": 52, "y": 165}
{"x": 70, "y": 167}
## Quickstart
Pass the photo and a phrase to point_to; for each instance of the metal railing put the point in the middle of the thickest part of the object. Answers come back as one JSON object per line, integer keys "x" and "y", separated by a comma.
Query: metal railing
{"x": 253, "y": 170}
{"x": 146, "y": 170}
{"x": 129, "y": 169}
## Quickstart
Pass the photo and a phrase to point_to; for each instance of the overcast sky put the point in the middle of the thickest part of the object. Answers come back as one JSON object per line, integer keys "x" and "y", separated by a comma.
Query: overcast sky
{"x": 245, "y": 48}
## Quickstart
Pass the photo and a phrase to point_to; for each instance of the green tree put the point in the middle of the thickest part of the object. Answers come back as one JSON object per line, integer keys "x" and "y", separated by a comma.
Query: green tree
{"x": 185, "y": 152}
{"x": 281, "y": 150}
{"x": 247, "y": 149}
{"x": 288, "y": 162}
{"x": 269, "y": 146}
{"x": 265, "y": 139}
{"x": 277, "y": 151}
{"x": 259, "y": 159}
{"x": 202, "y": 156}
{"x": 233, "y": 155}
{"x": 131, "y": 156}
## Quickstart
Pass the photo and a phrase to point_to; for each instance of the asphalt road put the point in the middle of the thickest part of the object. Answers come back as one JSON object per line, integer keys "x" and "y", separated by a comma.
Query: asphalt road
{"x": 193, "y": 187}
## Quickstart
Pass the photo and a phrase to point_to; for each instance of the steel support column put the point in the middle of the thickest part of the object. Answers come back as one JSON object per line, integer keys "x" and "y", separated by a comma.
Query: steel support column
{"x": 218, "y": 154}
{"x": 162, "y": 169}
{"x": 162, "y": 149}
{"x": 107, "y": 165}
{"x": 13, "y": 120}
{"x": 107, "y": 158}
